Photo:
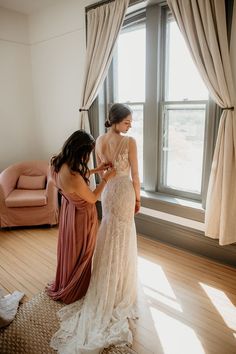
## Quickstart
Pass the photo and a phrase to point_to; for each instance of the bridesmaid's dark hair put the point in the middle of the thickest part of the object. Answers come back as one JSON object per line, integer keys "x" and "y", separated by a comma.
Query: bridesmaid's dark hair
{"x": 75, "y": 153}
{"x": 117, "y": 113}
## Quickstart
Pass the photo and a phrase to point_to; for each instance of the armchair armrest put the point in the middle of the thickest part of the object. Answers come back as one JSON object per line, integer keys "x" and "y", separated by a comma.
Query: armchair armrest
{"x": 8, "y": 180}
{"x": 52, "y": 191}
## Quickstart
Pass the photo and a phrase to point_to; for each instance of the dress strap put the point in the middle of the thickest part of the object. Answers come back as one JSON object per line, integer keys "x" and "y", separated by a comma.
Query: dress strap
{"x": 121, "y": 147}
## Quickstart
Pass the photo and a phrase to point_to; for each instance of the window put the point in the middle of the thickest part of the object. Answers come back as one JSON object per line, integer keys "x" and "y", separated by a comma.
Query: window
{"x": 183, "y": 146}
{"x": 129, "y": 82}
{"x": 153, "y": 72}
{"x": 183, "y": 118}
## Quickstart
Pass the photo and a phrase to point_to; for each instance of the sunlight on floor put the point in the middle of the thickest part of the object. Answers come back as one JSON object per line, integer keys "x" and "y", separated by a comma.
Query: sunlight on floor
{"x": 155, "y": 284}
{"x": 153, "y": 277}
{"x": 223, "y": 305}
{"x": 174, "y": 335}
{"x": 162, "y": 298}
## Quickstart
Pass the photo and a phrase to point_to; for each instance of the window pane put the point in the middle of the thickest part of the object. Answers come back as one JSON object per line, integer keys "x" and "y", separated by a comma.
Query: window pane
{"x": 130, "y": 80}
{"x": 131, "y": 66}
{"x": 183, "y": 80}
{"x": 183, "y": 142}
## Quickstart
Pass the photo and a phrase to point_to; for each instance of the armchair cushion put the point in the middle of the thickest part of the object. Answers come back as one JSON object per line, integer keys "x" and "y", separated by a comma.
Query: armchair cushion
{"x": 26, "y": 198}
{"x": 31, "y": 182}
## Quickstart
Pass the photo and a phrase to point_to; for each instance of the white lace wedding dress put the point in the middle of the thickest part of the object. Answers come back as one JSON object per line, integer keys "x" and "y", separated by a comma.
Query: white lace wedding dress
{"x": 102, "y": 317}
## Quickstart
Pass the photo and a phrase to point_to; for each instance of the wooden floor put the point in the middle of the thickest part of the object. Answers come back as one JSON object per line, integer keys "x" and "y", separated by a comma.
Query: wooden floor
{"x": 186, "y": 303}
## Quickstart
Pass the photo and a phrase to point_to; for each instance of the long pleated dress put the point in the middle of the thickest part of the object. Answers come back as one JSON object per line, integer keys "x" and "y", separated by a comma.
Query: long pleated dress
{"x": 78, "y": 225}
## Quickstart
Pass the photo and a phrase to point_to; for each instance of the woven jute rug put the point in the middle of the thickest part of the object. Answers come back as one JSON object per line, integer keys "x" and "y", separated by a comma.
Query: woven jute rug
{"x": 31, "y": 330}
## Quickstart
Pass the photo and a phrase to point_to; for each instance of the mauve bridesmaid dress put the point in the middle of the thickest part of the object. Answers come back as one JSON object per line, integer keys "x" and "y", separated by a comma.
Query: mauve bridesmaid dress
{"x": 78, "y": 225}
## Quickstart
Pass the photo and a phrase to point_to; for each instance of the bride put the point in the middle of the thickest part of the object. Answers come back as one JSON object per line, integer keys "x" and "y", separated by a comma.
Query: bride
{"x": 102, "y": 317}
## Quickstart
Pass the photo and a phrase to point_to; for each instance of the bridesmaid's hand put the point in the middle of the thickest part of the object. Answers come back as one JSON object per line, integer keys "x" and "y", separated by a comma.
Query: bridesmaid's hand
{"x": 102, "y": 167}
{"x": 109, "y": 174}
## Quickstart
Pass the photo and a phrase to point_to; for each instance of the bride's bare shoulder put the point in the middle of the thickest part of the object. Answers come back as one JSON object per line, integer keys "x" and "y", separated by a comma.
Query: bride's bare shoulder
{"x": 101, "y": 139}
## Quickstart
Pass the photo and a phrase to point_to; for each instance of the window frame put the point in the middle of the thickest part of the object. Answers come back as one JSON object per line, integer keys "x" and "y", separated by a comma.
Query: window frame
{"x": 207, "y": 149}
{"x": 161, "y": 187}
{"x": 155, "y": 16}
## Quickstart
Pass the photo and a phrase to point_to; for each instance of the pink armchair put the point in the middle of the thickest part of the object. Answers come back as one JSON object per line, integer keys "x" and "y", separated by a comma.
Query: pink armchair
{"x": 28, "y": 195}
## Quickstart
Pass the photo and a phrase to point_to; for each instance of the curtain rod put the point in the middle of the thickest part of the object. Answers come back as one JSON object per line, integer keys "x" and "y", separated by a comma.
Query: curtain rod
{"x": 103, "y": 2}
{"x": 97, "y": 4}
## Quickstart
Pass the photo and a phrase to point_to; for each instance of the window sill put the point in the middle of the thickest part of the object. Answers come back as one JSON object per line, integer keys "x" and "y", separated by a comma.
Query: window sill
{"x": 173, "y": 205}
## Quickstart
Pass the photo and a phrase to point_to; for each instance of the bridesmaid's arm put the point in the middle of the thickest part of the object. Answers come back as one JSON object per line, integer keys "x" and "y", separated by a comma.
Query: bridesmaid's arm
{"x": 80, "y": 187}
{"x": 102, "y": 166}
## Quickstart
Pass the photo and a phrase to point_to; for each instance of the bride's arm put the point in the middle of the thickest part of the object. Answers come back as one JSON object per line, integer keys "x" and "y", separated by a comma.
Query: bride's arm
{"x": 133, "y": 159}
{"x": 97, "y": 158}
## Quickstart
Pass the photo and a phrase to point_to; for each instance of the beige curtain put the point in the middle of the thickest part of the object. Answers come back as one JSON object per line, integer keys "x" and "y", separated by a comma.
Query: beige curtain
{"x": 203, "y": 25}
{"x": 103, "y": 27}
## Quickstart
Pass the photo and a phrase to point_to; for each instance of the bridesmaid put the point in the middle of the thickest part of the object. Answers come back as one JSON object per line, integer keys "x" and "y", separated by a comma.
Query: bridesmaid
{"x": 78, "y": 216}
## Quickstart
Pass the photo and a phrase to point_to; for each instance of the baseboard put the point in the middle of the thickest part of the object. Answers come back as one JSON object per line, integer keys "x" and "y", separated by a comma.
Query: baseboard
{"x": 185, "y": 238}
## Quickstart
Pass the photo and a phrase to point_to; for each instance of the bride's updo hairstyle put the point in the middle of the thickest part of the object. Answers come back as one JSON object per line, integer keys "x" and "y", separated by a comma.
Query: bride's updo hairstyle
{"x": 117, "y": 113}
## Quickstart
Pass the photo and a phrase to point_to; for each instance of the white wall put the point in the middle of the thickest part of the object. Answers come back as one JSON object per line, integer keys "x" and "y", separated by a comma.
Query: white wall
{"x": 42, "y": 60}
{"x": 17, "y": 140}
{"x": 57, "y": 37}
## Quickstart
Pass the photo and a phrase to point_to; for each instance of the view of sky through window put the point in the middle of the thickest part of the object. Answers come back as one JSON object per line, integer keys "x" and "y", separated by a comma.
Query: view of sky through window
{"x": 131, "y": 82}
{"x": 131, "y": 66}
{"x": 183, "y": 79}
{"x": 184, "y": 125}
